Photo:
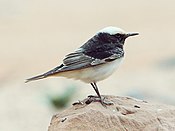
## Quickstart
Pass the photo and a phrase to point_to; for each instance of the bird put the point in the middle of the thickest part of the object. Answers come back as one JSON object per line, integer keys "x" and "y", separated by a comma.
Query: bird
{"x": 95, "y": 60}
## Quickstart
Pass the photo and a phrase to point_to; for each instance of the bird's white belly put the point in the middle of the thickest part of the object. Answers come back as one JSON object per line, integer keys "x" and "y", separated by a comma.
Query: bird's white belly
{"x": 93, "y": 74}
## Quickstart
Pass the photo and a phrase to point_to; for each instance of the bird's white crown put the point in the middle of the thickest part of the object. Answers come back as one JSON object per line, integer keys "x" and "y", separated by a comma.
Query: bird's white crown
{"x": 111, "y": 30}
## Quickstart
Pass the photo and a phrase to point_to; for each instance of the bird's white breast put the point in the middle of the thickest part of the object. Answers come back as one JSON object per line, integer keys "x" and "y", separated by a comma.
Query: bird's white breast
{"x": 95, "y": 73}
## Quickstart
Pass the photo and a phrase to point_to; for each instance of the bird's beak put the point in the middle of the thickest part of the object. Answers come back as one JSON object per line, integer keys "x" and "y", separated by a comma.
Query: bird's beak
{"x": 132, "y": 34}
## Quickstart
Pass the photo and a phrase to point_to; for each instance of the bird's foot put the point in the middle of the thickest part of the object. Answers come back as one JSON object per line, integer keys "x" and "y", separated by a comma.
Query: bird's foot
{"x": 78, "y": 103}
{"x": 92, "y": 98}
{"x": 102, "y": 100}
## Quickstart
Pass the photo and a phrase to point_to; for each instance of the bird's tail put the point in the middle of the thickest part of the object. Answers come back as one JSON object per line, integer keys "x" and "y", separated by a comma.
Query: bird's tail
{"x": 47, "y": 74}
{"x": 36, "y": 78}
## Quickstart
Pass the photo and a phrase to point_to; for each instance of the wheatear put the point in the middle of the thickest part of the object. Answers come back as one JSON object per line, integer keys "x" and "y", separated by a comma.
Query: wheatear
{"x": 94, "y": 61}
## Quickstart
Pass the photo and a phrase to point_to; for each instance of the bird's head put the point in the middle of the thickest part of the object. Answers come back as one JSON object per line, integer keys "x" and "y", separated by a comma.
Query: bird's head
{"x": 114, "y": 34}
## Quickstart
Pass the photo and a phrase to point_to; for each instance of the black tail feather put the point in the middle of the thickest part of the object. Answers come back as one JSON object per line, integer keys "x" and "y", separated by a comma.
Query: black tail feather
{"x": 49, "y": 73}
{"x": 36, "y": 78}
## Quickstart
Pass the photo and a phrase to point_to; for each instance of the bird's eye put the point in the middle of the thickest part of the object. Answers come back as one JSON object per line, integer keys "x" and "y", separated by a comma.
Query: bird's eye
{"x": 118, "y": 35}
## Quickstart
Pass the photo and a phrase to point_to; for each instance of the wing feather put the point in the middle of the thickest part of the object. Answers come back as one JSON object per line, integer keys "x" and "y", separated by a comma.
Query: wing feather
{"x": 79, "y": 60}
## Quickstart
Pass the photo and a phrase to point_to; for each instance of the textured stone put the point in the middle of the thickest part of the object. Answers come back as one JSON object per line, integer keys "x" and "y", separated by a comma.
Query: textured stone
{"x": 127, "y": 114}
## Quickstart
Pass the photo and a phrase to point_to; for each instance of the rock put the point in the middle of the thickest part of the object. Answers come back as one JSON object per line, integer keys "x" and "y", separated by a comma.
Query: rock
{"x": 126, "y": 114}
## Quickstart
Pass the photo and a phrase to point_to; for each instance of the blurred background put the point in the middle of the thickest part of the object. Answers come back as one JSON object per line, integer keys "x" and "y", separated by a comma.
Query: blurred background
{"x": 35, "y": 36}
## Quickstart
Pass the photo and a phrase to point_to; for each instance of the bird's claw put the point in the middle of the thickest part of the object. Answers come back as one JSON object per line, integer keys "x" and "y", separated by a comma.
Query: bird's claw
{"x": 78, "y": 103}
{"x": 92, "y": 98}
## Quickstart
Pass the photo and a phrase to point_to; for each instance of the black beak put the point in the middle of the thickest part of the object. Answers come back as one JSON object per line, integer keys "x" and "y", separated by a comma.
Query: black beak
{"x": 132, "y": 34}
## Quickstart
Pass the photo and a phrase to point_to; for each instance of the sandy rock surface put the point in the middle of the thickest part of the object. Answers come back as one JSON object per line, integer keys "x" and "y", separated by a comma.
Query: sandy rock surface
{"x": 127, "y": 114}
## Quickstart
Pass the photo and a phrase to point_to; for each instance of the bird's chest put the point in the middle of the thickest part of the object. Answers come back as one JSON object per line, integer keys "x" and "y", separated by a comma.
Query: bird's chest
{"x": 98, "y": 73}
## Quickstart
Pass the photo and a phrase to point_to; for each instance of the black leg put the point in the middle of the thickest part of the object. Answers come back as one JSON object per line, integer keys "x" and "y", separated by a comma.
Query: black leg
{"x": 97, "y": 98}
{"x": 94, "y": 85}
{"x": 96, "y": 89}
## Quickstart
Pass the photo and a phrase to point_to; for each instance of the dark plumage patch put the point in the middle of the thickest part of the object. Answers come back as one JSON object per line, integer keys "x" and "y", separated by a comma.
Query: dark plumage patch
{"x": 104, "y": 45}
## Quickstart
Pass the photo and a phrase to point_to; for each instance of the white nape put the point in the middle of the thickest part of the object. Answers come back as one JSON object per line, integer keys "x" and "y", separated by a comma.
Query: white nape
{"x": 112, "y": 30}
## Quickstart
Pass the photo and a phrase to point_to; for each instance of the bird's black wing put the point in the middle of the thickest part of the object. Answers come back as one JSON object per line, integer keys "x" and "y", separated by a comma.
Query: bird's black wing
{"x": 80, "y": 59}
{"x": 98, "y": 50}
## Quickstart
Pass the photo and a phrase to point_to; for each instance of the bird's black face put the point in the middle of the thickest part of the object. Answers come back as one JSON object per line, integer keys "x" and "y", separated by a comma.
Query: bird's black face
{"x": 119, "y": 38}
{"x": 116, "y": 38}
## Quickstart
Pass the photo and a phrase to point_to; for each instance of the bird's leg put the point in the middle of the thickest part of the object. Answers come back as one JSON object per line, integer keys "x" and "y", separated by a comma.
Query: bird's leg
{"x": 97, "y": 98}
{"x": 104, "y": 103}
{"x": 96, "y": 90}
